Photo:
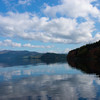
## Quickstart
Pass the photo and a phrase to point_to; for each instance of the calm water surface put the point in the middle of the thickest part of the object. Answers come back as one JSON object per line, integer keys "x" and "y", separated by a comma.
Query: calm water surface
{"x": 56, "y": 81}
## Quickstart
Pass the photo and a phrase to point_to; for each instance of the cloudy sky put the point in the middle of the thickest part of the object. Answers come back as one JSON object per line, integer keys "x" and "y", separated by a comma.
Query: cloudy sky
{"x": 48, "y": 25}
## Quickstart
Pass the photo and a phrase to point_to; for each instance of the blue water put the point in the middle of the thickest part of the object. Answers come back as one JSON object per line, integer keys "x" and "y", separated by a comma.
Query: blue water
{"x": 17, "y": 72}
{"x": 47, "y": 82}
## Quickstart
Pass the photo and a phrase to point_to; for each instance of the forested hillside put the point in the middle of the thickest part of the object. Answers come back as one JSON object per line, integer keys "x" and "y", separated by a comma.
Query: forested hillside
{"x": 86, "y": 52}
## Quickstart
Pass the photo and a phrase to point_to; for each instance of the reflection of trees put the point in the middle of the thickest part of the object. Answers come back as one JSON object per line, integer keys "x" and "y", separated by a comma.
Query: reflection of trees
{"x": 88, "y": 66}
{"x": 18, "y": 62}
{"x": 86, "y": 58}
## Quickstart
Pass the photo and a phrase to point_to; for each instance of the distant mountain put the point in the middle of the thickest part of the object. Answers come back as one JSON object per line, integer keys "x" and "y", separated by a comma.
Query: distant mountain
{"x": 53, "y": 57}
{"x": 7, "y": 54}
{"x": 86, "y": 52}
{"x": 12, "y": 58}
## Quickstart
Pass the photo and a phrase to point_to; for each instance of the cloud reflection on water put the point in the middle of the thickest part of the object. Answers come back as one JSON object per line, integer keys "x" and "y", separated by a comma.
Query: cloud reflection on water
{"x": 47, "y": 82}
{"x": 56, "y": 87}
{"x": 10, "y": 73}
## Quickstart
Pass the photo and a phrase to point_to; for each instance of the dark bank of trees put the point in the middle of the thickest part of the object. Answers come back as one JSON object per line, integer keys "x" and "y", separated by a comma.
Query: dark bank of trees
{"x": 53, "y": 57}
{"x": 86, "y": 52}
{"x": 86, "y": 58}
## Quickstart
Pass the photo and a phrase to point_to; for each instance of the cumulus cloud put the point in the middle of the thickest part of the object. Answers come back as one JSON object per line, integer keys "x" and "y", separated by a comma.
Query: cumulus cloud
{"x": 97, "y": 37}
{"x": 10, "y": 43}
{"x": 73, "y": 8}
{"x": 58, "y": 30}
{"x": 36, "y": 46}
{"x": 67, "y": 50}
{"x": 22, "y": 2}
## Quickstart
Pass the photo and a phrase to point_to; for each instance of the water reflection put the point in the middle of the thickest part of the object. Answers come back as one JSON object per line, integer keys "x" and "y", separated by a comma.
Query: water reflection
{"x": 56, "y": 81}
{"x": 57, "y": 87}
{"x": 18, "y": 72}
{"x": 90, "y": 67}
{"x": 34, "y": 62}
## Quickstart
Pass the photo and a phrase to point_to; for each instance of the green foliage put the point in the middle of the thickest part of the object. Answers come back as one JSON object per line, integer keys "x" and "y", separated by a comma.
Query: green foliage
{"x": 88, "y": 51}
{"x": 82, "y": 51}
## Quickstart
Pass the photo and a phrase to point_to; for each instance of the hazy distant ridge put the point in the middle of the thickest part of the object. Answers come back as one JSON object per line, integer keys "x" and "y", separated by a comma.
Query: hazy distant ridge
{"x": 8, "y": 57}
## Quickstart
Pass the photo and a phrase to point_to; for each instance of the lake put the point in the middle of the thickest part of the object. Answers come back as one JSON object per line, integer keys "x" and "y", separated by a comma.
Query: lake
{"x": 41, "y": 81}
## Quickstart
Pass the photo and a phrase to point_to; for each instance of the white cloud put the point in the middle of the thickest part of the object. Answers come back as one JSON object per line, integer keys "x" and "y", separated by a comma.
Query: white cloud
{"x": 67, "y": 50}
{"x": 96, "y": 38}
{"x": 59, "y": 30}
{"x": 36, "y": 46}
{"x": 8, "y": 42}
{"x": 73, "y": 8}
{"x": 58, "y": 50}
{"x": 22, "y": 2}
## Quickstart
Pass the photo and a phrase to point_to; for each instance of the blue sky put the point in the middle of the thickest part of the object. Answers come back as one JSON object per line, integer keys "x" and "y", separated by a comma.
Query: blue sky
{"x": 48, "y": 25}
